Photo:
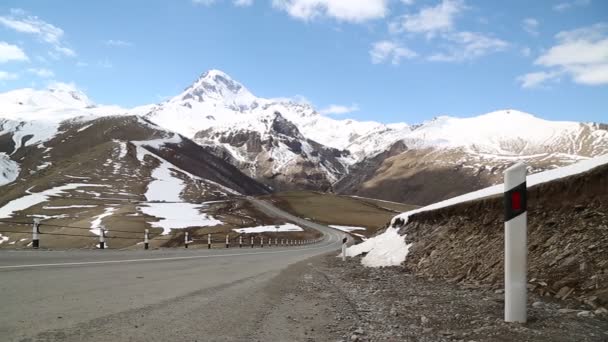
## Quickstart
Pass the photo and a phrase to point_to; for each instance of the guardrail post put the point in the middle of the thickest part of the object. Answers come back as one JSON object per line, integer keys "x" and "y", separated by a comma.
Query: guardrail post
{"x": 186, "y": 240}
{"x": 516, "y": 250}
{"x": 35, "y": 231}
{"x": 146, "y": 239}
{"x": 102, "y": 238}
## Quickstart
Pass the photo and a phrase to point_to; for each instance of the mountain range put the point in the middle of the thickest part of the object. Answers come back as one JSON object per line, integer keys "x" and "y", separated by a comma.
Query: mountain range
{"x": 219, "y": 130}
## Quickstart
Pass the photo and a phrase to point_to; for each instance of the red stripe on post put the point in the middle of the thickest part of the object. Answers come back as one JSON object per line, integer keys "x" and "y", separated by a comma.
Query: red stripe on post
{"x": 516, "y": 201}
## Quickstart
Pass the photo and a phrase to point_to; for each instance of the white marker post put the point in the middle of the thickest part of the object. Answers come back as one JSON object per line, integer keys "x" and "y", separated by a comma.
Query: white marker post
{"x": 35, "y": 231}
{"x": 102, "y": 238}
{"x": 146, "y": 239}
{"x": 344, "y": 241}
{"x": 209, "y": 241}
{"x": 252, "y": 242}
{"x": 516, "y": 250}
{"x": 262, "y": 241}
{"x": 186, "y": 241}
{"x": 227, "y": 241}
{"x": 276, "y": 242}
{"x": 240, "y": 241}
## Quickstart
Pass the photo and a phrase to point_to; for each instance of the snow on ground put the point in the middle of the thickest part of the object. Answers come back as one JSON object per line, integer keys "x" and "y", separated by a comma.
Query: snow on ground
{"x": 167, "y": 188}
{"x": 347, "y": 229}
{"x": 3, "y": 239}
{"x": 32, "y": 199}
{"x": 77, "y": 177}
{"x": 43, "y": 166}
{"x": 68, "y": 207}
{"x": 288, "y": 227}
{"x": 142, "y": 152}
{"x": 383, "y": 249}
{"x": 9, "y": 169}
{"x": 96, "y": 223}
{"x": 47, "y": 217}
{"x": 84, "y": 127}
{"x": 178, "y": 215}
{"x": 122, "y": 146}
{"x": 386, "y": 249}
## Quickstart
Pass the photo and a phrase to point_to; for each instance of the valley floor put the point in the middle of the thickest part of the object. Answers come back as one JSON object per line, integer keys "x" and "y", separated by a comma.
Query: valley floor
{"x": 342, "y": 301}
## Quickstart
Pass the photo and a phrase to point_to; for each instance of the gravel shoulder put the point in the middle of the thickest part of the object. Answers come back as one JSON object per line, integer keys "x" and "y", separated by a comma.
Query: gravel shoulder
{"x": 329, "y": 300}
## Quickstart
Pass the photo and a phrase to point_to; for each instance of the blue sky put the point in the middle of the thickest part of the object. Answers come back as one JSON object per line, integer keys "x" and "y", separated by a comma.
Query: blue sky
{"x": 384, "y": 60}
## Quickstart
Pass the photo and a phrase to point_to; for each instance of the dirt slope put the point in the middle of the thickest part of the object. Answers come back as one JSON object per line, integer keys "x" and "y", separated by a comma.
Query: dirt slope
{"x": 568, "y": 239}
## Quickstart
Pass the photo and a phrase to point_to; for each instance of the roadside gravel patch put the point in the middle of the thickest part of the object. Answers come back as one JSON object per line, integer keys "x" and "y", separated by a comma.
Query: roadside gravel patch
{"x": 343, "y": 301}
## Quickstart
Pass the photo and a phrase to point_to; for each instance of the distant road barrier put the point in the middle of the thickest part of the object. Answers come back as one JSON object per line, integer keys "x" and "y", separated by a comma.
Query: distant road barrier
{"x": 145, "y": 240}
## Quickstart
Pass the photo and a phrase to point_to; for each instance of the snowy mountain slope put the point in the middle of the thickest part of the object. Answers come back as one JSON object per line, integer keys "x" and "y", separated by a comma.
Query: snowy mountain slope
{"x": 121, "y": 169}
{"x": 448, "y": 156}
{"x": 287, "y": 144}
{"x": 221, "y": 114}
{"x": 267, "y": 139}
{"x": 58, "y": 102}
{"x": 215, "y": 100}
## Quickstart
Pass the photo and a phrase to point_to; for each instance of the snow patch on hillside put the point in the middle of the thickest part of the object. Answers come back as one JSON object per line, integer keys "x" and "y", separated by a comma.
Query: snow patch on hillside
{"x": 288, "y": 227}
{"x": 347, "y": 229}
{"x": 33, "y": 199}
{"x": 96, "y": 225}
{"x": 383, "y": 250}
{"x": 9, "y": 169}
{"x": 166, "y": 187}
{"x": 386, "y": 249}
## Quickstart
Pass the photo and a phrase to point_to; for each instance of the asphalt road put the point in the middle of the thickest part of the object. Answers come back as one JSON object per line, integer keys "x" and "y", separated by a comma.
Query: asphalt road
{"x": 154, "y": 295}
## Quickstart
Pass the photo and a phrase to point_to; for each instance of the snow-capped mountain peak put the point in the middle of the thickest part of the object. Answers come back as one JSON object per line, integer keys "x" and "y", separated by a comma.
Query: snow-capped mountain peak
{"x": 217, "y": 87}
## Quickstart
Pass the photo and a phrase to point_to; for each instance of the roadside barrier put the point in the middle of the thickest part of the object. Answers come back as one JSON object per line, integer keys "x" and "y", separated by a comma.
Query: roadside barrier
{"x": 103, "y": 235}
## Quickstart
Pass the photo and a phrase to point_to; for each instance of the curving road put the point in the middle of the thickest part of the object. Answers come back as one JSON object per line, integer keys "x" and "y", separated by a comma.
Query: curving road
{"x": 154, "y": 295}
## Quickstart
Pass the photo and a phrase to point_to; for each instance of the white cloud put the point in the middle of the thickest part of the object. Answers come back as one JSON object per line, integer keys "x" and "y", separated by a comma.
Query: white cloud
{"x": 9, "y": 52}
{"x": 581, "y": 53}
{"x": 21, "y": 22}
{"x": 41, "y": 72}
{"x": 8, "y": 76}
{"x": 430, "y": 20}
{"x": 339, "y": 109}
{"x": 242, "y": 3}
{"x": 466, "y": 46}
{"x": 564, "y": 6}
{"x": 118, "y": 43}
{"x": 537, "y": 79}
{"x": 408, "y": 2}
{"x": 530, "y": 25}
{"x": 386, "y": 50}
{"x": 526, "y": 51}
{"x": 343, "y": 10}
{"x": 82, "y": 64}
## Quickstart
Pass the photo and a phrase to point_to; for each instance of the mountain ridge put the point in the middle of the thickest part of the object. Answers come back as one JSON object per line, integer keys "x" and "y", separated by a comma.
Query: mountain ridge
{"x": 288, "y": 145}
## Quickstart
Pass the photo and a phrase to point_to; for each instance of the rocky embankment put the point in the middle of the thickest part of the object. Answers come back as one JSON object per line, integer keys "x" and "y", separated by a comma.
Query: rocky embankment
{"x": 567, "y": 240}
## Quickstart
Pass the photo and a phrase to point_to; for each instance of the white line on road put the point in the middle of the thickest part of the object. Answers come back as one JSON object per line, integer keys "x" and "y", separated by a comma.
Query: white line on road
{"x": 157, "y": 259}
